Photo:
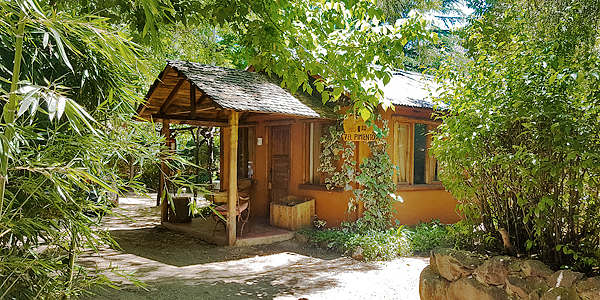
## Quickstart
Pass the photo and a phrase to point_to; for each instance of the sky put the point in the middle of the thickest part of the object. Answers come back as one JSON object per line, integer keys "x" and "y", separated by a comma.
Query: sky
{"x": 436, "y": 18}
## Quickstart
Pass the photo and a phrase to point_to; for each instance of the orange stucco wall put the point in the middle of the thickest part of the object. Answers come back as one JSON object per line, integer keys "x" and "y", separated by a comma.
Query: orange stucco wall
{"x": 331, "y": 206}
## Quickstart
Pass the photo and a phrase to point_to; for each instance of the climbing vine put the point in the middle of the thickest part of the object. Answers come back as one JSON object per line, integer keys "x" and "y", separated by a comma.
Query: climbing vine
{"x": 372, "y": 183}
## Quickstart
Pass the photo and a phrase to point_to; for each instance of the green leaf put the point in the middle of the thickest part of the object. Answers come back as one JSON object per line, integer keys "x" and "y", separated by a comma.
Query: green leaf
{"x": 365, "y": 113}
{"x": 45, "y": 40}
{"x": 325, "y": 96}
{"x": 552, "y": 78}
{"x": 61, "y": 49}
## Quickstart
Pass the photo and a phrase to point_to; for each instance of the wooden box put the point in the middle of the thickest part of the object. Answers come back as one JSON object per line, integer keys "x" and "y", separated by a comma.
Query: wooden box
{"x": 292, "y": 212}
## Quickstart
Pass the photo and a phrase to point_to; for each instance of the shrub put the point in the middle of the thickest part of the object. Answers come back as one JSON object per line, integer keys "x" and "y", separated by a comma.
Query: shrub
{"x": 376, "y": 245}
{"x": 518, "y": 146}
{"x": 381, "y": 245}
{"x": 426, "y": 236}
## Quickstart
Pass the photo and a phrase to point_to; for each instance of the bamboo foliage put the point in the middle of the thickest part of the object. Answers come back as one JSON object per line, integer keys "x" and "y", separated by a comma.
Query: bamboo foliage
{"x": 58, "y": 160}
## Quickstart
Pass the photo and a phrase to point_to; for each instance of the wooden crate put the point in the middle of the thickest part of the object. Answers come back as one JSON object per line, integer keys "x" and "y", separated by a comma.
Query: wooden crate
{"x": 292, "y": 212}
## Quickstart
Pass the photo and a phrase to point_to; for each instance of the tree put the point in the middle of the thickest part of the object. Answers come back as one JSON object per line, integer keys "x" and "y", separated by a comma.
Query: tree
{"x": 519, "y": 143}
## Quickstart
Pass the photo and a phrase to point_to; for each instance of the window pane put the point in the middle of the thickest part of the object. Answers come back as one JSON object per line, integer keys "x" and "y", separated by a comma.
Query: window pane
{"x": 243, "y": 153}
{"x": 420, "y": 153}
{"x": 314, "y": 132}
{"x": 433, "y": 162}
{"x": 314, "y": 152}
{"x": 435, "y": 171}
{"x": 403, "y": 151}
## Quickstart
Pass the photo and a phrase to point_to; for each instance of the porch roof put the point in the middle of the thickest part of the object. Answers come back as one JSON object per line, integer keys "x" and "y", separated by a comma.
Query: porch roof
{"x": 215, "y": 90}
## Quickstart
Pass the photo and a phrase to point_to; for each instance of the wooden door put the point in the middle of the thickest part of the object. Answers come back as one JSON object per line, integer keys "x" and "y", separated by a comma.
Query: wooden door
{"x": 280, "y": 168}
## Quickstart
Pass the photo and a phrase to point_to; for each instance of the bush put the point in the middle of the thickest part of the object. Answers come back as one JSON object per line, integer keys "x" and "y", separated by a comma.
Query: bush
{"x": 376, "y": 245}
{"x": 518, "y": 147}
{"x": 381, "y": 245}
{"x": 426, "y": 236}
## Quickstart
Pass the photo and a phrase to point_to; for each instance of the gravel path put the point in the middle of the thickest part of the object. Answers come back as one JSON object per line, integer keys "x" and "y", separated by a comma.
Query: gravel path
{"x": 175, "y": 266}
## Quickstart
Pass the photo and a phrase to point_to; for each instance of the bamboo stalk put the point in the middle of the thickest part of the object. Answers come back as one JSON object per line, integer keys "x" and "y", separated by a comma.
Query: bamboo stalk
{"x": 72, "y": 258}
{"x": 11, "y": 107}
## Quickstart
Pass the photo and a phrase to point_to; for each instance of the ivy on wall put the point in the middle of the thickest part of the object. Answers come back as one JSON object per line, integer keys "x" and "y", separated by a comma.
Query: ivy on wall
{"x": 372, "y": 183}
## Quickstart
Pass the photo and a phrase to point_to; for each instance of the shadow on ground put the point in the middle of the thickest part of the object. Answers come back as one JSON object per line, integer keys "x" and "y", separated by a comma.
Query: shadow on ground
{"x": 175, "y": 266}
{"x": 262, "y": 288}
{"x": 169, "y": 247}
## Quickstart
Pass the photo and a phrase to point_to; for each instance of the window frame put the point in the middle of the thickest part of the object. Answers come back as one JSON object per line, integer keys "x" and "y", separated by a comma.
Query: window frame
{"x": 430, "y": 161}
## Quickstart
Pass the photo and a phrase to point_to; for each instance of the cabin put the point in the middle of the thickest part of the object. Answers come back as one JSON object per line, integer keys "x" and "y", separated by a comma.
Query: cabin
{"x": 270, "y": 142}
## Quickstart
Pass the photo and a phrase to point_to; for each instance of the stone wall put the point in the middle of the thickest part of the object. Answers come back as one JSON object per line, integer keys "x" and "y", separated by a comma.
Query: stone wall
{"x": 460, "y": 275}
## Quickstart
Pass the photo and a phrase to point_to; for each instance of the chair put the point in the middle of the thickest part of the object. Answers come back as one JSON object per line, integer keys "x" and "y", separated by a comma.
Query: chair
{"x": 242, "y": 207}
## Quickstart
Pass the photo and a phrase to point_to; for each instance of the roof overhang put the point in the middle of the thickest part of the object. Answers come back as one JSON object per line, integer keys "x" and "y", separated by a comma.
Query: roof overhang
{"x": 197, "y": 94}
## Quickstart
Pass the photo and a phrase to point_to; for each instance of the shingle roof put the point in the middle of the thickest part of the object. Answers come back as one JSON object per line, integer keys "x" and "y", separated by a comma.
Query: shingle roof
{"x": 249, "y": 91}
{"x": 410, "y": 89}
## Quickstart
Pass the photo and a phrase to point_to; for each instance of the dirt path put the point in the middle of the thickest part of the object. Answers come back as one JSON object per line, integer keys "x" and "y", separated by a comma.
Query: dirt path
{"x": 175, "y": 266}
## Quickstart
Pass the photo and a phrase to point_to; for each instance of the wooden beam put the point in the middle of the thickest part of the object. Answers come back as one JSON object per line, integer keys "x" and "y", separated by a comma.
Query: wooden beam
{"x": 171, "y": 96}
{"x": 277, "y": 122}
{"x": 165, "y": 172}
{"x": 192, "y": 100}
{"x": 232, "y": 190}
{"x": 411, "y": 119}
{"x": 202, "y": 98}
{"x": 185, "y": 119}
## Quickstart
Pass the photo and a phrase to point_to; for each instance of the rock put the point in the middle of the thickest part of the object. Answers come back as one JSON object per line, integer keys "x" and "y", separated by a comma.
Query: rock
{"x": 589, "y": 289}
{"x": 590, "y": 294}
{"x": 514, "y": 266}
{"x": 301, "y": 238}
{"x": 471, "y": 289}
{"x": 563, "y": 278}
{"x": 432, "y": 261}
{"x": 358, "y": 253}
{"x": 519, "y": 287}
{"x": 535, "y": 268}
{"x": 494, "y": 271}
{"x": 432, "y": 286}
{"x": 324, "y": 244}
{"x": 537, "y": 284}
{"x": 454, "y": 264}
{"x": 560, "y": 294}
{"x": 589, "y": 284}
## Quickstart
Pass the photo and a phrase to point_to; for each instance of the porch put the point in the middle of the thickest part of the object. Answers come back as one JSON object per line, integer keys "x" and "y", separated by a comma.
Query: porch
{"x": 257, "y": 231}
{"x": 235, "y": 101}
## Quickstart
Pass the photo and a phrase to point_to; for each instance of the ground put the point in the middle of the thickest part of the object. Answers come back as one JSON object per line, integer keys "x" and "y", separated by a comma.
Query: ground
{"x": 175, "y": 266}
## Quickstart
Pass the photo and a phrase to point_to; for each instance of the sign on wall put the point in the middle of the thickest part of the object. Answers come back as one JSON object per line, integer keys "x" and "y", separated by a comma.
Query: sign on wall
{"x": 355, "y": 130}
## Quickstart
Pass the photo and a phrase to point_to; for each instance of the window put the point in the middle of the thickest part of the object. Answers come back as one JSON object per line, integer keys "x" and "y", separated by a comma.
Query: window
{"x": 313, "y": 132}
{"x": 411, "y": 143}
{"x": 246, "y": 140}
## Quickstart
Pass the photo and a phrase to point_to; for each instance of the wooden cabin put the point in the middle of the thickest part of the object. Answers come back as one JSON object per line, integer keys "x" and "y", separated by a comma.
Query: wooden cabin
{"x": 273, "y": 138}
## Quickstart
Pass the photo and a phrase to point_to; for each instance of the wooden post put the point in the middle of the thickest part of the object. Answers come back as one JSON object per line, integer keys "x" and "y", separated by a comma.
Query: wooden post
{"x": 232, "y": 190}
{"x": 165, "y": 172}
